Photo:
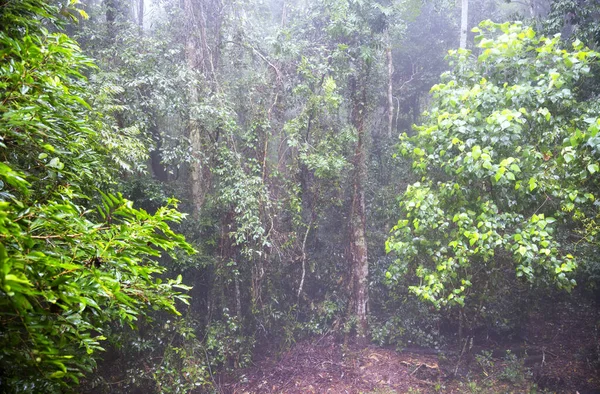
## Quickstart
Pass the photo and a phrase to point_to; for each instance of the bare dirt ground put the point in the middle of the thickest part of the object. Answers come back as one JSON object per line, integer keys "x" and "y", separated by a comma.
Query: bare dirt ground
{"x": 560, "y": 355}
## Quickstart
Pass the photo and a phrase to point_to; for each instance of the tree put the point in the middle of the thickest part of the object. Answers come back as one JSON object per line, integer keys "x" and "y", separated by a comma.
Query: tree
{"x": 464, "y": 23}
{"x": 506, "y": 160}
{"x": 74, "y": 257}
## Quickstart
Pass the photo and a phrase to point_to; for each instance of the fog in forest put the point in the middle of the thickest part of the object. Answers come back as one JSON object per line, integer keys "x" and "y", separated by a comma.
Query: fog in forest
{"x": 310, "y": 196}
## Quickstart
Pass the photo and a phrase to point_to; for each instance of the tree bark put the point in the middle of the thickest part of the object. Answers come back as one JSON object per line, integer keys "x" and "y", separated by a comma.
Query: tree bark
{"x": 464, "y": 23}
{"x": 111, "y": 13}
{"x": 140, "y": 14}
{"x": 112, "y": 10}
{"x": 195, "y": 56}
{"x": 358, "y": 241}
{"x": 390, "y": 96}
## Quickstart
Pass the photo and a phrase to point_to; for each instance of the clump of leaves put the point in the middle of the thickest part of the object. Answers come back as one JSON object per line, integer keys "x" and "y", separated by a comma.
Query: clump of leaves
{"x": 485, "y": 361}
{"x": 514, "y": 371}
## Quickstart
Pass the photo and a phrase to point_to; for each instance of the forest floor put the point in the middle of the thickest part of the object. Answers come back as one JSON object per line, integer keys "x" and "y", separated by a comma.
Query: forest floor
{"x": 559, "y": 355}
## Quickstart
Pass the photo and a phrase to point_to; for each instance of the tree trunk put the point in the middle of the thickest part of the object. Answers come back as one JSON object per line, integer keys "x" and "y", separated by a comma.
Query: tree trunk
{"x": 112, "y": 9}
{"x": 532, "y": 8}
{"x": 111, "y": 13}
{"x": 358, "y": 241}
{"x": 140, "y": 16}
{"x": 464, "y": 23}
{"x": 194, "y": 58}
{"x": 390, "y": 97}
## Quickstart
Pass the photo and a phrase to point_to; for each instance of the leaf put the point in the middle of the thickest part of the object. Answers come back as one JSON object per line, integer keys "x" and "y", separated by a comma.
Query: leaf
{"x": 569, "y": 157}
{"x": 532, "y": 184}
{"x": 14, "y": 178}
{"x": 517, "y": 237}
{"x": 476, "y": 152}
{"x": 16, "y": 279}
{"x": 418, "y": 152}
{"x": 57, "y": 375}
{"x": 55, "y": 163}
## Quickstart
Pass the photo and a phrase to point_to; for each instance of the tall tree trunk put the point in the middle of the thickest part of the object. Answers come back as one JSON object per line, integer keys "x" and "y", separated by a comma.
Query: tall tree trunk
{"x": 358, "y": 240}
{"x": 390, "y": 96}
{"x": 111, "y": 13}
{"x": 195, "y": 55}
{"x": 464, "y": 23}
{"x": 140, "y": 14}
{"x": 112, "y": 10}
{"x": 532, "y": 8}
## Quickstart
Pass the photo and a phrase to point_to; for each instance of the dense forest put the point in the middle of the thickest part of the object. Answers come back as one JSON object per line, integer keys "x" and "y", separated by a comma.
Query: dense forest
{"x": 294, "y": 196}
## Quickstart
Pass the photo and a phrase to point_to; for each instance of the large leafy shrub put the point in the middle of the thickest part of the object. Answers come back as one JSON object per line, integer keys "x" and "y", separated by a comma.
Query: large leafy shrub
{"x": 72, "y": 257}
{"x": 508, "y": 159}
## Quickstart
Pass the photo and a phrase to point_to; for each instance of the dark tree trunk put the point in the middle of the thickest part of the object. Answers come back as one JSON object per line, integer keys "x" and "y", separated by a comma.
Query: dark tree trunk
{"x": 111, "y": 13}
{"x": 159, "y": 171}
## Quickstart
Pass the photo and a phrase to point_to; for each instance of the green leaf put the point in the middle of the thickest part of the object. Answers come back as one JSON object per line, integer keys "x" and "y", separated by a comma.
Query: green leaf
{"x": 57, "y": 375}
{"x": 56, "y": 163}
{"x": 14, "y": 178}
{"x": 569, "y": 157}
{"x": 517, "y": 237}
{"x": 476, "y": 152}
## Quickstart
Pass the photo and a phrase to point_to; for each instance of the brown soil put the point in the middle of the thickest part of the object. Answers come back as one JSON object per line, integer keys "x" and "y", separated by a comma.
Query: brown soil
{"x": 560, "y": 354}
{"x": 328, "y": 367}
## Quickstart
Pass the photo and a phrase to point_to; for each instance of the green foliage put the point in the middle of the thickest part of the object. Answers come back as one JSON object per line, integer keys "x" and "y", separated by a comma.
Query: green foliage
{"x": 485, "y": 361}
{"x": 576, "y": 20}
{"x": 514, "y": 370}
{"x": 184, "y": 365}
{"x": 72, "y": 258}
{"x": 225, "y": 344}
{"x": 505, "y": 154}
{"x": 391, "y": 332}
{"x": 244, "y": 191}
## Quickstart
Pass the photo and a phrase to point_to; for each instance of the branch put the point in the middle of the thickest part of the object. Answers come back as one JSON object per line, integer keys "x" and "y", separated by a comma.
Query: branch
{"x": 304, "y": 258}
{"x": 263, "y": 57}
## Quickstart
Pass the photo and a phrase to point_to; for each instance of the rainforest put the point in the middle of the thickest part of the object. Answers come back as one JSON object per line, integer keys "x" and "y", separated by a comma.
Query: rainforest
{"x": 299, "y": 196}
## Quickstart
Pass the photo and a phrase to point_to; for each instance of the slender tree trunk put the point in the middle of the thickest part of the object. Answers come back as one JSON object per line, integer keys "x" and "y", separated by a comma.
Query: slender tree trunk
{"x": 358, "y": 240}
{"x": 283, "y": 14}
{"x": 140, "y": 14}
{"x": 195, "y": 55}
{"x": 390, "y": 96}
{"x": 238, "y": 298}
{"x": 111, "y": 13}
{"x": 112, "y": 10}
{"x": 532, "y": 8}
{"x": 464, "y": 23}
